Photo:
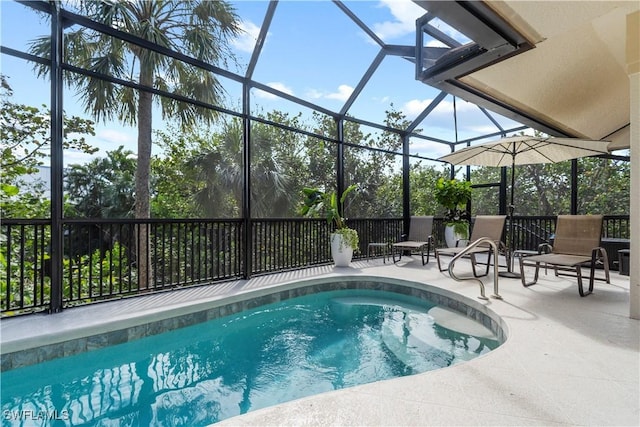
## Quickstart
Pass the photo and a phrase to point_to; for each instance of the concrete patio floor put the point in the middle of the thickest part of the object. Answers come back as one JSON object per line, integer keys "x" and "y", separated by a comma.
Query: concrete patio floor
{"x": 567, "y": 360}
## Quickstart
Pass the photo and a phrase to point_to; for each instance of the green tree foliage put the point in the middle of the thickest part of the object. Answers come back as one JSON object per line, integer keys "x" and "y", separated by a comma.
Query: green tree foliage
{"x": 100, "y": 272}
{"x": 545, "y": 189}
{"x": 604, "y": 186}
{"x": 369, "y": 163}
{"x": 25, "y": 146}
{"x": 319, "y": 155}
{"x": 176, "y": 181}
{"x": 201, "y": 29}
{"x": 206, "y": 169}
{"x": 422, "y": 179}
{"x": 103, "y": 188}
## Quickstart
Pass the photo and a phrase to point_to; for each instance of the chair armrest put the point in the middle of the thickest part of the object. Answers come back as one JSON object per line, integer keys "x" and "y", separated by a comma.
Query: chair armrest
{"x": 599, "y": 254}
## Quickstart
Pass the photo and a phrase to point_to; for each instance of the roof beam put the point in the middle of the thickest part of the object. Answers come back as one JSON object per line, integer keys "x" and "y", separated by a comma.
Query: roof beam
{"x": 494, "y": 40}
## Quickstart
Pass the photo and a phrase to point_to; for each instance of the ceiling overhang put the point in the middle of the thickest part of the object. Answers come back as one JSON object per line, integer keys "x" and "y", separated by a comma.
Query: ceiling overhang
{"x": 556, "y": 66}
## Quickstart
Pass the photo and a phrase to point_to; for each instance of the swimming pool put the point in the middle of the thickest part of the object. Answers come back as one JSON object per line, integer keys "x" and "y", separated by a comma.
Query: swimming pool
{"x": 252, "y": 359}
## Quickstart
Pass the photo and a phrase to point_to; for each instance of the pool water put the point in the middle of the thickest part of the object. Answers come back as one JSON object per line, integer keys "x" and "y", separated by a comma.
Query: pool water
{"x": 208, "y": 372}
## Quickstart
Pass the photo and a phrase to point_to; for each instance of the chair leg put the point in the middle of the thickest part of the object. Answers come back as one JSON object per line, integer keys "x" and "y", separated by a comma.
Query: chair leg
{"x": 605, "y": 263}
{"x": 422, "y": 253}
{"x": 535, "y": 276}
{"x": 474, "y": 264}
{"x": 438, "y": 259}
{"x": 579, "y": 275}
{"x": 486, "y": 273}
{"x": 393, "y": 255}
{"x": 472, "y": 257}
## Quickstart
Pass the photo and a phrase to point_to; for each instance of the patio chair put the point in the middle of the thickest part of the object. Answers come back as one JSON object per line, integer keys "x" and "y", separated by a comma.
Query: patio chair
{"x": 576, "y": 243}
{"x": 491, "y": 226}
{"x": 419, "y": 239}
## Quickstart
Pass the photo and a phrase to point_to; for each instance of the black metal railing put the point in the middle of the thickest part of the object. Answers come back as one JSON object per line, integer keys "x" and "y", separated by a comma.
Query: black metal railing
{"x": 531, "y": 231}
{"x": 285, "y": 244}
{"x": 388, "y": 230}
{"x": 104, "y": 259}
{"x": 24, "y": 265}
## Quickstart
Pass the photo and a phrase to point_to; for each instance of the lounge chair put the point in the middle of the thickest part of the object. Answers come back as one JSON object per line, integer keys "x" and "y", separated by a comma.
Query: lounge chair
{"x": 490, "y": 226}
{"x": 576, "y": 243}
{"x": 419, "y": 239}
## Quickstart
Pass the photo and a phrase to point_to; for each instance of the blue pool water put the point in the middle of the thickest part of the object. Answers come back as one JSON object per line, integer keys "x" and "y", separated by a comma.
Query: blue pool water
{"x": 208, "y": 372}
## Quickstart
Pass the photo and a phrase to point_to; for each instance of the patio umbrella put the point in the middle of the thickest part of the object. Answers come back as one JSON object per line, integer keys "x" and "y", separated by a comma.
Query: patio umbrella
{"x": 524, "y": 150}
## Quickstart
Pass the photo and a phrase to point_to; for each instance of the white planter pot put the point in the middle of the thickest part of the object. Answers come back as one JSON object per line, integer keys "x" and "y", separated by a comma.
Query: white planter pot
{"x": 340, "y": 251}
{"x": 451, "y": 237}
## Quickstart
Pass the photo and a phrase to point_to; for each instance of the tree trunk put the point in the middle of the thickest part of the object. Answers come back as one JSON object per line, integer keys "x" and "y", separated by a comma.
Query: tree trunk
{"x": 145, "y": 105}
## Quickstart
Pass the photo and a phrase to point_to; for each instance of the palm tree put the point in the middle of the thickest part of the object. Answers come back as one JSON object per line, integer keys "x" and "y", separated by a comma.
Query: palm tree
{"x": 220, "y": 168}
{"x": 199, "y": 28}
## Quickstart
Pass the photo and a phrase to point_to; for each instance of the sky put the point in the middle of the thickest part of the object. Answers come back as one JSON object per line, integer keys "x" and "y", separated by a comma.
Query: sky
{"x": 313, "y": 51}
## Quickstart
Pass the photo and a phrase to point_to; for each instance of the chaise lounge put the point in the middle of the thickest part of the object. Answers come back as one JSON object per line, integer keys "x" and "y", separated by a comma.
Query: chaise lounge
{"x": 419, "y": 239}
{"x": 576, "y": 243}
{"x": 490, "y": 226}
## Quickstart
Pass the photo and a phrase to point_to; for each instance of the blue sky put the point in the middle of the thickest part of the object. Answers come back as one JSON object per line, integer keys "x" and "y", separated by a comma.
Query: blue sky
{"x": 312, "y": 51}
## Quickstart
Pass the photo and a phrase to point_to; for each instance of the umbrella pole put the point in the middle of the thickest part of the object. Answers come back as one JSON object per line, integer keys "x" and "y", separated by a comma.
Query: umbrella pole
{"x": 510, "y": 209}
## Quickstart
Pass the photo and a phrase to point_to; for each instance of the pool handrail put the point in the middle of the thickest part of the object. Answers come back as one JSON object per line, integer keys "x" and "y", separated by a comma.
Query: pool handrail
{"x": 467, "y": 249}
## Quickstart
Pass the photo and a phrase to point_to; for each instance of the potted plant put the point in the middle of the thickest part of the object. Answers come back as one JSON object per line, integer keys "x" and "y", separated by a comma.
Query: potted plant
{"x": 454, "y": 196}
{"x": 344, "y": 240}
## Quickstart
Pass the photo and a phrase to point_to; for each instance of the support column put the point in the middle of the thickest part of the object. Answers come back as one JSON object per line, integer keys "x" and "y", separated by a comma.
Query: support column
{"x": 57, "y": 160}
{"x": 633, "y": 70}
{"x": 406, "y": 184}
{"x": 340, "y": 160}
{"x": 247, "y": 229}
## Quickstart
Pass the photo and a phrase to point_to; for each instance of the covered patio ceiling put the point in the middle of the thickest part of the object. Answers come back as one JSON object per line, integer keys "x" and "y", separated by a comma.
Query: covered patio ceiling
{"x": 557, "y": 66}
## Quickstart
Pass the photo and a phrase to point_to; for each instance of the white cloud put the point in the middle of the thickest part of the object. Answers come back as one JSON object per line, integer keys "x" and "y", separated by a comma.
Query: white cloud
{"x": 275, "y": 85}
{"x": 405, "y": 13}
{"x": 246, "y": 41}
{"x": 483, "y": 129}
{"x": 428, "y": 148}
{"x": 72, "y": 157}
{"x": 443, "y": 110}
{"x": 343, "y": 93}
{"x": 314, "y": 94}
{"x": 471, "y": 120}
{"x": 116, "y": 137}
{"x": 414, "y": 107}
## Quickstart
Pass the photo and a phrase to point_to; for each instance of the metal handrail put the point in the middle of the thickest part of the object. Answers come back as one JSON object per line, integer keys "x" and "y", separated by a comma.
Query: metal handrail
{"x": 466, "y": 250}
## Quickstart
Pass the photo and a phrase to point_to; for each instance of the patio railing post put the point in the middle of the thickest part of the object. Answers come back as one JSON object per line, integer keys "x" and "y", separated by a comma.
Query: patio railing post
{"x": 574, "y": 187}
{"x": 57, "y": 123}
{"x": 247, "y": 229}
